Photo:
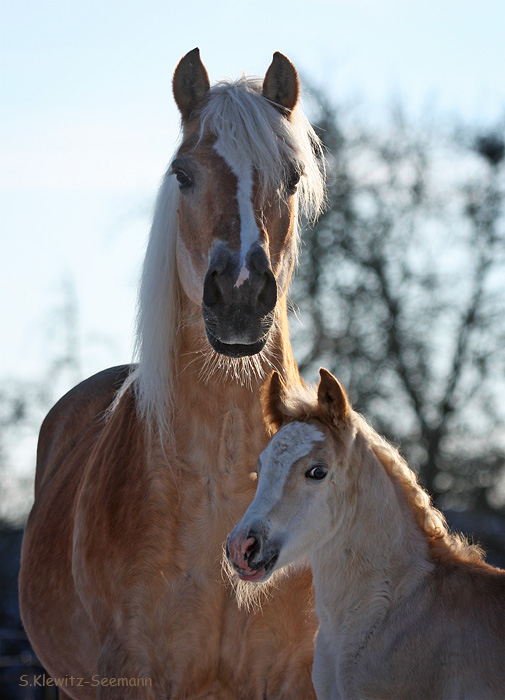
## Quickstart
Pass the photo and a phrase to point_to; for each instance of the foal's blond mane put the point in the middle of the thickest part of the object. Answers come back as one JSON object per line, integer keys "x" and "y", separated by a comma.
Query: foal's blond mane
{"x": 445, "y": 546}
{"x": 236, "y": 112}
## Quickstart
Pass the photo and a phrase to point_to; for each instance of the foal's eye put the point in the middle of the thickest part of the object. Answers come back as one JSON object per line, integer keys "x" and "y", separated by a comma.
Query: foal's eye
{"x": 294, "y": 179}
{"x": 318, "y": 472}
{"x": 183, "y": 179}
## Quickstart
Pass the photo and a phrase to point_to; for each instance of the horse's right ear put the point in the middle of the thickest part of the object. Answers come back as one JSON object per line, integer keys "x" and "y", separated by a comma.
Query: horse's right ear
{"x": 190, "y": 84}
{"x": 281, "y": 85}
{"x": 332, "y": 398}
{"x": 273, "y": 401}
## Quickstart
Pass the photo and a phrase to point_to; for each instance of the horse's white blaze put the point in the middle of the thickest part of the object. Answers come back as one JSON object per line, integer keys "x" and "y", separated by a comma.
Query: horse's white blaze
{"x": 243, "y": 276}
{"x": 243, "y": 170}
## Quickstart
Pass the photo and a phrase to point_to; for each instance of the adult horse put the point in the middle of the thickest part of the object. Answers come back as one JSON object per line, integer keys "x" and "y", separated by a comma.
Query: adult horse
{"x": 142, "y": 471}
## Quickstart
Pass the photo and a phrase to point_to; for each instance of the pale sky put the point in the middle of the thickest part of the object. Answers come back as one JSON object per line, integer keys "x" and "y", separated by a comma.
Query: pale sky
{"x": 88, "y": 126}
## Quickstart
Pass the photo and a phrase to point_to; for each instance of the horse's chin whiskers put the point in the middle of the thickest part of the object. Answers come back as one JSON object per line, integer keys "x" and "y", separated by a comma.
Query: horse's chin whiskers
{"x": 192, "y": 320}
{"x": 274, "y": 361}
{"x": 191, "y": 362}
{"x": 244, "y": 370}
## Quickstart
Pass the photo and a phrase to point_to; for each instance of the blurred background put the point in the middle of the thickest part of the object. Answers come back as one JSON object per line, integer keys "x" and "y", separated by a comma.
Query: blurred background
{"x": 401, "y": 286}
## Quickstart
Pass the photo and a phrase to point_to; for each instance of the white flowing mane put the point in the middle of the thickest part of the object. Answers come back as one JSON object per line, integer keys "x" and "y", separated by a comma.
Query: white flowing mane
{"x": 236, "y": 112}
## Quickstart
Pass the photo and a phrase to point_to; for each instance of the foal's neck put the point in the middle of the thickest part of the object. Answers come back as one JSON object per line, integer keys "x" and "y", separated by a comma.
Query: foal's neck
{"x": 377, "y": 552}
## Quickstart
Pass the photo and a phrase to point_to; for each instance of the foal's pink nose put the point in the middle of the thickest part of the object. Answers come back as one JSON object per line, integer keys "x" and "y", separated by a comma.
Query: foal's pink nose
{"x": 239, "y": 550}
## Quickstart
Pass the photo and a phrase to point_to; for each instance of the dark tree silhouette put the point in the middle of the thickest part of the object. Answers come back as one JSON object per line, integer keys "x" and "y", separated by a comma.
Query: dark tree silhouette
{"x": 401, "y": 290}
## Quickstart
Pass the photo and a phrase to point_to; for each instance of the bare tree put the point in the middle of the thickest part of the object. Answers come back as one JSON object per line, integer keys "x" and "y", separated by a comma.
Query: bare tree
{"x": 24, "y": 402}
{"x": 402, "y": 293}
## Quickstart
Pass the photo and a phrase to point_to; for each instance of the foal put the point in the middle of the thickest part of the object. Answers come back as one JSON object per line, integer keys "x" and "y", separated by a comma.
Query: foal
{"x": 406, "y": 610}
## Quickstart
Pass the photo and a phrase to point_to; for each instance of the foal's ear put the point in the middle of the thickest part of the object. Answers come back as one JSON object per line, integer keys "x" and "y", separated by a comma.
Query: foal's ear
{"x": 190, "y": 83}
{"x": 281, "y": 84}
{"x": 273, "y": 401}
{"x": 332, "y": 398}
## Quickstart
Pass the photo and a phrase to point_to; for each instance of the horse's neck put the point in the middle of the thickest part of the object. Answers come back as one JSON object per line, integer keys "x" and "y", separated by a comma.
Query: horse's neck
{"x": 210, "y": 392}
{"x": 377, "y": 554}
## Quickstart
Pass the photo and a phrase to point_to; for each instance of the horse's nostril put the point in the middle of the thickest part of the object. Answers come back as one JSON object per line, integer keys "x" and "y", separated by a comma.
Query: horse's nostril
{"x": 267, "y": 295}
{"x": 212, "y": 292}
{"x": 218, "y": 279}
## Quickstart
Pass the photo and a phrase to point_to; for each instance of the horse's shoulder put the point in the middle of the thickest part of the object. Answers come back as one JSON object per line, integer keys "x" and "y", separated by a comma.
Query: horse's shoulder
{"x": 72, "y": 415}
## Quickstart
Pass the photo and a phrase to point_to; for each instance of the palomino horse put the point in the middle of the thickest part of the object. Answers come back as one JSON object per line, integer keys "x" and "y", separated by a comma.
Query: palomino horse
{"x": 122, "y": 586}
{"x": 407, "y": 611}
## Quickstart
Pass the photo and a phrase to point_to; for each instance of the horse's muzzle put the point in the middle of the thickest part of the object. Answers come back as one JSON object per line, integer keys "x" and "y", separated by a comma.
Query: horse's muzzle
{"x": 238, "y": 317}
{"x": 236, "y": 349}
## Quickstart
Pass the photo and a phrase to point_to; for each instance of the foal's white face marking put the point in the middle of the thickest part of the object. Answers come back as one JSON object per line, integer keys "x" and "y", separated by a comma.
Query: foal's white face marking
{"x": 249, "y": 233}
{"x": 293, "y": 442}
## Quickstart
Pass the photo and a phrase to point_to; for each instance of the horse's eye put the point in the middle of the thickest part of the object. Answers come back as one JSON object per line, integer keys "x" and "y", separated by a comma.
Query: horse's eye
{"x": 294, "y": 179}
{"x": 318, "y": 472}
{"x": 183, "y": 179}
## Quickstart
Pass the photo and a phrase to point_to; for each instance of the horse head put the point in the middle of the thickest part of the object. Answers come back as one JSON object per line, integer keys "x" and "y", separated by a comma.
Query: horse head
{"x": 238, "y": 169}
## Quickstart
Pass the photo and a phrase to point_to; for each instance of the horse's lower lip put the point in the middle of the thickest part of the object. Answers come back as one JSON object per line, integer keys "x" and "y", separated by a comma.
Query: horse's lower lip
{"x": 235, "y": 349}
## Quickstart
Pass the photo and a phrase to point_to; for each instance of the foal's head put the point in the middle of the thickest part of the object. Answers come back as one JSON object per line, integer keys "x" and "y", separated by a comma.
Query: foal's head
{"x": 302, "y": 475}
{"x": 247, "y": 162}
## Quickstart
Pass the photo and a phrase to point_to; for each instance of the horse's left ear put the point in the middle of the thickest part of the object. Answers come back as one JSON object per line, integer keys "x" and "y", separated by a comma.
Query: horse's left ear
{"x": 281, "y": 85}
{"x": 190, "y": 84}
{"x": 332, "y": 398}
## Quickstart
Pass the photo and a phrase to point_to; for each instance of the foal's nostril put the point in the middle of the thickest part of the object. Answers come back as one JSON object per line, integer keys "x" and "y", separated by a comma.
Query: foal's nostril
{"x": 251, "y": 547}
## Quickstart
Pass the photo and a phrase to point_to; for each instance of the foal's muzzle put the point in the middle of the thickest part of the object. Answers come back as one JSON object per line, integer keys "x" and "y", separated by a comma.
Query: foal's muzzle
{"x": 238, "y": 317}
{"x": 251, "y": 554}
